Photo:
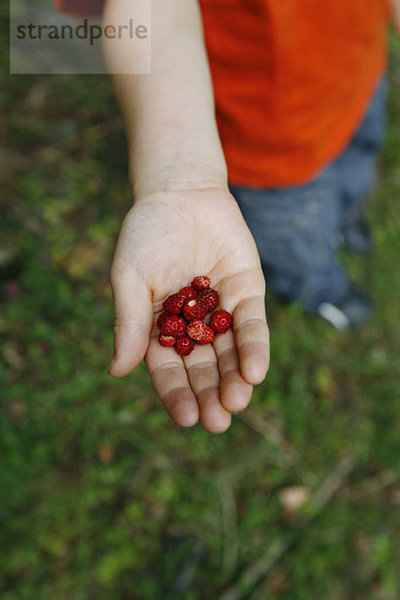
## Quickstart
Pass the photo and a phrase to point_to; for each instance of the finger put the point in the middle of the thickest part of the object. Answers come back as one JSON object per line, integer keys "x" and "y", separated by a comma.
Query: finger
{"x": 170, "y": 381}
{"x": 249, "y": 321}
{"x": 204, "y": 380}
{"x": 235, "y": 392}
{"x": 252, "y": 338}
{"x": 132, "y": 320}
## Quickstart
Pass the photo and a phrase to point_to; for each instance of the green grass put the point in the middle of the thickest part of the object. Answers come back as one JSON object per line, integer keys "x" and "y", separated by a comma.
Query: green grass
{"x": 102, "y": 497}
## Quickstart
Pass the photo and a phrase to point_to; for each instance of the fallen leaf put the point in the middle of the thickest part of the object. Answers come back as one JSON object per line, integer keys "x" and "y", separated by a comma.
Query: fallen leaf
{"x": 105, "y": 453}
{"x": 293, "y": 498}
{"x": 12, "y": 356}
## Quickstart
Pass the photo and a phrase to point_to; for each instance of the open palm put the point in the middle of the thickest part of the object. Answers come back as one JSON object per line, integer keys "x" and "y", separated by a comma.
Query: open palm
{"x": 167, "y": 239}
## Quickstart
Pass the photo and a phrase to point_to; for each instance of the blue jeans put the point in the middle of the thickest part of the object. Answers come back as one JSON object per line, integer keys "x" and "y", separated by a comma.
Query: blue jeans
{"x": 297, "y": 229}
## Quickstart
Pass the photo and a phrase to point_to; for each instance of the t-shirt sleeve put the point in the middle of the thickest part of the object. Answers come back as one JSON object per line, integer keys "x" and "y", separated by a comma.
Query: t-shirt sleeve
{"x": 81, "y": 8}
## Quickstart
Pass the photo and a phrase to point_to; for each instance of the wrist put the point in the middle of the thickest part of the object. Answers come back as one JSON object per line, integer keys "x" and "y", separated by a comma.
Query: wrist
{"x": 185, "y": 177}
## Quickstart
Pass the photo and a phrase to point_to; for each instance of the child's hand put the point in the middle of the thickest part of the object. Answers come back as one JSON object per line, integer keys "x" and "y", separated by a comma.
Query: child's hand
{"x": 167, "y": 239}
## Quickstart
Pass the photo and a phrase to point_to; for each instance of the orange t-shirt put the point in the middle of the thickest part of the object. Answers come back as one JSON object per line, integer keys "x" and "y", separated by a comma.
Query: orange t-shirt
{"x": 292, "y": 80}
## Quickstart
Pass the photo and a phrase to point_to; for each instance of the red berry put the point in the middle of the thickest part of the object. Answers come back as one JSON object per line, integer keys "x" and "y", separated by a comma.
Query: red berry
{"x": 175, "y": 326}
{"x": 174, "y": 303}
{"x": 209, "y": 298}
{"x": 184, "y": 346}
{"x": 194, "y": 310}
{"x": 188, "y": 292}
{"x": 166, "y": 340}
{"x": 220, "y": 321}
{"x": 162, "y": 318}
{"x": 200, "y": 332}
{"x": 201, "y": 282}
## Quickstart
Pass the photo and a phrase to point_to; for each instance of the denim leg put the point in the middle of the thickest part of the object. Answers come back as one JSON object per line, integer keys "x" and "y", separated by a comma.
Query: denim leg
{"x": 295, "y": 230}
{"x": 356, "y": 166}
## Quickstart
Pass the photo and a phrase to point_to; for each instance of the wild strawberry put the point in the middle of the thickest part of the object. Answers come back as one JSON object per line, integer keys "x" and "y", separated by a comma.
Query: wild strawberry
{"x": 194, "y": 310}
{"x": 175, "y": 326}
{"x": 166, "y": 340}
{"x": 162, "y": 318}
{"x": 201, "y": 282}
{"x": 200, "y": 332}
{"x": 209, "y": 298}
{"x": 188, "y": 292}
{"x": 220, "y": 321}
{"x": 184, "y": 346}
{"x": 174, "y": 303}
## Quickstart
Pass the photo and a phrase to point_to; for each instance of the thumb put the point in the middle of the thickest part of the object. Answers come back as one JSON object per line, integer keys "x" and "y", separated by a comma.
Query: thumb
{"x": 133, "y": 317}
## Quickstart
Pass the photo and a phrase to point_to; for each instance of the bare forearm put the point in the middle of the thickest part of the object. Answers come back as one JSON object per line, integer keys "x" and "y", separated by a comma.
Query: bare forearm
{"x": 169, "y": 115}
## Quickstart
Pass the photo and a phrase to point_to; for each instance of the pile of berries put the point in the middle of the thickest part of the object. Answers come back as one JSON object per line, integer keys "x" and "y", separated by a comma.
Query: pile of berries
{"x": 182, "y": 322}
